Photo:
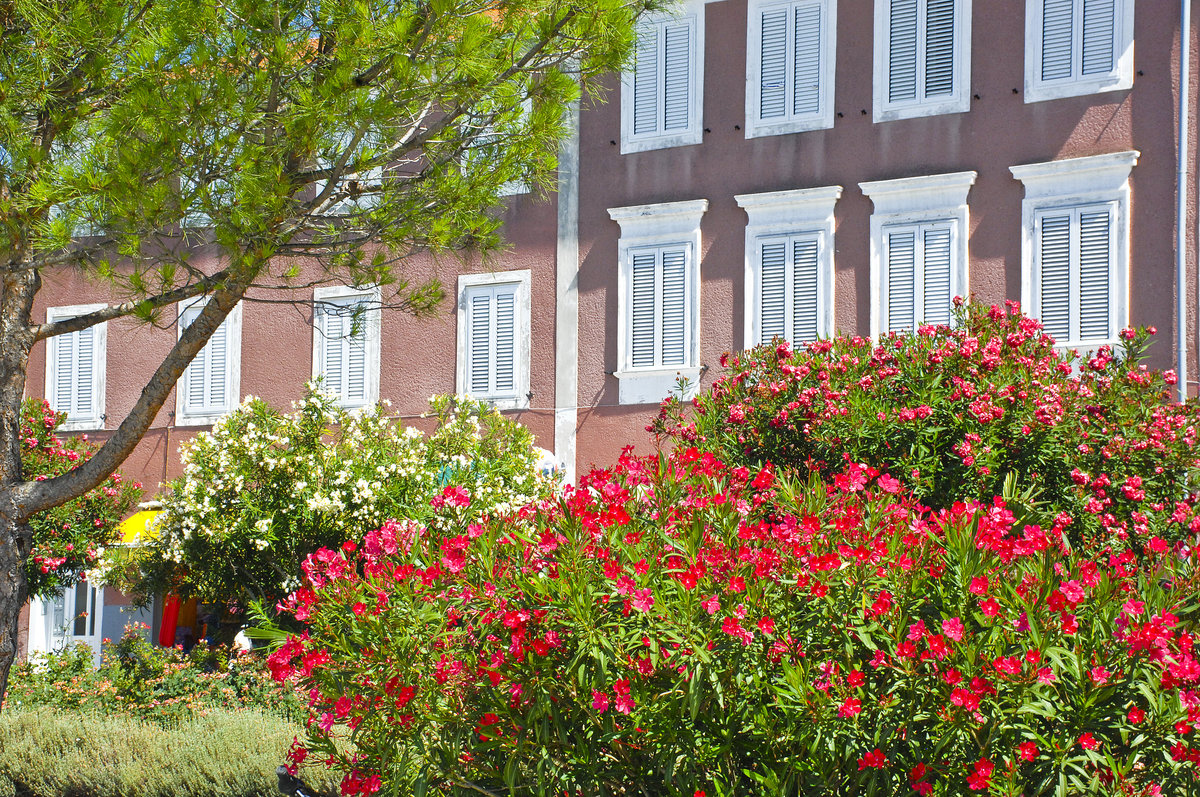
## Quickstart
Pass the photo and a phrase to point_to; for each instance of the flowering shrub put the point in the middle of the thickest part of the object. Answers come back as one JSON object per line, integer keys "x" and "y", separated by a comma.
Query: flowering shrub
{"x": 265, "y": 489}
{"x": 136, "y": 679}
{"x": 955, "y": 413}
{"x": 69, "y": 539}
{"x": 678, "y": 626}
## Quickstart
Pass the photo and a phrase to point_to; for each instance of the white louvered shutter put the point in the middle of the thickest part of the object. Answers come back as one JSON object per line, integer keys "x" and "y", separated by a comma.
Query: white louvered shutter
{"x": 492, "y": 341}
{"x": 1095, "y": 259}
{"x": 354, "y": 348}
{"x": 642, "y": 309}
{"x": 677, "y": 69}
{"x": 807, "y": 36}
{"x": 74, "y": 388}
{"x": 1054, "y": 274}
{"x": 1099, "y": 36}
{"x": 333, "y": 367}
{"x": 936, "y": 275}
{"x": 939, "y": 48}
{"x": 901, "y": 278}
{"x": 902, "y": 51}
{"x": 506, "y": 338}
{"x": 805, "y": 263}
{"x": 773, "y": 290}
{"x": 773, "y": 69}
{"x": 645, "y": 82}
{"x": 479, "y": 331}
{"x": 674, "y": 307}
{"x": 206, "y": 381}
{"x": 85, "y": 374}
{"x": 1058, "y": 25}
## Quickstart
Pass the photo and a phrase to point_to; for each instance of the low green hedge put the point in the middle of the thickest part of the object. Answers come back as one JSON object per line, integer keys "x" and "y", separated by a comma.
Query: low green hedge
{"x": 80, "y": 754}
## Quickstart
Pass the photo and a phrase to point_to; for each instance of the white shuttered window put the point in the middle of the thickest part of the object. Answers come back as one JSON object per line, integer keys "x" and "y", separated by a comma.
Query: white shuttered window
{"x": 346, "y": 344}
{"x": 658, "y": 307}
{"x": 1075, "y": 47}
{"x": 1075, "y": 273}
{"x": 662, "y": 95}
{"x": 790, "y": 47}
{"x": 789, "y": 288}
{"x": 918, "y": 278}
{"x": 75, "y": 370}
{"x": 922, "y": 58}
{"x": 493, "y": 334}
{"x": 210, "y": 385}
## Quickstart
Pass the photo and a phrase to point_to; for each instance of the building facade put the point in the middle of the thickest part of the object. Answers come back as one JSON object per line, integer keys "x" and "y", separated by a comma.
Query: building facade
{"x": 765, "y": 168}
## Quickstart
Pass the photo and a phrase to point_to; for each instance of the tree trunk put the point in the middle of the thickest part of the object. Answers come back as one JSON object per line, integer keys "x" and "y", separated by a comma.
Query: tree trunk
{"x": 17, "y": 289}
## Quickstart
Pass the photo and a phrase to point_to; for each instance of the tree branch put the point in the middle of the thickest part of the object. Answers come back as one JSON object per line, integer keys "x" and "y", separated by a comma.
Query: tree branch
{"x": 38, "y": 496}
{"x": 68, "y": 325}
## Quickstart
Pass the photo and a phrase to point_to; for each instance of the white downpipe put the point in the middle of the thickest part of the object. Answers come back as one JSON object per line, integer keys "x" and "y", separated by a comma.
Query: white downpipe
{"x": 1181, "y": 181}
{"x": 566, "y": 323}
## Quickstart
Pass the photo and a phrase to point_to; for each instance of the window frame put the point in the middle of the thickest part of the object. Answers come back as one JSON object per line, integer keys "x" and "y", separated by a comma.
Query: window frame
{"x": 776, "y": 214}
{"x": 691, "y": 11}
{"x": 1077, "y": 183}
{"x": 908, "y": 201}
{"x": 522, "y": 348}
{"x": 96, "y": 419}
{"x": 372, "y": 319}
{"x": 658, "y": 226}
{"x": 233, "y": 367}
{"x": 823, "y": 119}
{"x": 1120, "y": 78}
{"x": 884, "y": 110}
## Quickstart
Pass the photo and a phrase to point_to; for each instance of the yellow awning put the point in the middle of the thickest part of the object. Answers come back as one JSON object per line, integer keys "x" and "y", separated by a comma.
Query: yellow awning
{"x": 139, "y": 527}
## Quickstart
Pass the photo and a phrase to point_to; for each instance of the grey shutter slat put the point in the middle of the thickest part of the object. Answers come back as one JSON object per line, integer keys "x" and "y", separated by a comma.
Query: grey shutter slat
{"x": 642, "y": 310}
{"x": 1054, "y": 266}
{"x": 901, "y": 280}
{"x": 479, "y": 323}
{"x": 1099, "y": 30}
{"x": 63, "y": 399}
{"x": 1058, "y": 18}
{"x": 806, "y": 92}
{"x": 676, "y": 76}
{"x": 645, "y": 82}
{"x": 84, "y": 356}
{"x": 939, "y": 48}
{"x": 1095, "y": 255}
{"x": 804, "y": 290}
{"x": 674, "y": 307}
{"x": 332, "y": 327}
{"x": 772, "y": 308}
{"x": 902, "y": 51}
{"x": 936, "y": 275}
{"x": 772, "y": 95}
{"x": 505, "y": 341}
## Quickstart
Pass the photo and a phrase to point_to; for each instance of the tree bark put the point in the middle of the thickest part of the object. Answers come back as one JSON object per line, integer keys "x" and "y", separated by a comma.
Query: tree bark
{"x": 17, "y": 290}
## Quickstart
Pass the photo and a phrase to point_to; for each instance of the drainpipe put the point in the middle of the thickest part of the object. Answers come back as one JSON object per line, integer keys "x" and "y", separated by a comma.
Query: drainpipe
{"x": 1181, "y": 181}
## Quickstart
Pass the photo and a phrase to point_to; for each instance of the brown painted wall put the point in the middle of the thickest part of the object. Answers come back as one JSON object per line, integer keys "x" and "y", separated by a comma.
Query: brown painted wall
{"x": 417, "y": 355}
{"x": 1000, "y": 130}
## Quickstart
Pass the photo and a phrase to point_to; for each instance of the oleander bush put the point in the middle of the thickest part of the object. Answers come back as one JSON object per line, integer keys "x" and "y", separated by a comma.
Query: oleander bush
{"x": 678, "y": 625}
{"x": 265, "y": 489}
{"x": 956, "y": 412}
{"x": 82, "y": 754}
{"x": 140, "y": 681}
{"x": 69, "y": 539}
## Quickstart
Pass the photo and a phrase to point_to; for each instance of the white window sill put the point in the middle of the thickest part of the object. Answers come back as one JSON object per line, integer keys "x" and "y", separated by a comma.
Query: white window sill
{"x": 201, "y": 420}
{"x": 686, "y": 138}
{"x": 764, "y": 129}
{"x": 82, "y": 425}
{"x": 503, "y": 402}
{"x": 891, "y": 113}
{"x": 1076, "y": 88}
{"x": 652, "y": 386}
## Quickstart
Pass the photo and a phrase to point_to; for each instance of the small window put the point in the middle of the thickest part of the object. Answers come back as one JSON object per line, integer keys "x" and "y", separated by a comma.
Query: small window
{"x": 493, "y": 335}
{"x": 662, "y": 96}
{"x": 75, "y": 369}
{"x": 789, "y": 265}
{"x": 919, "y": 259}
{"x": 346, "y": 344}
{"x": 790, "y": 48}
{"x": 1075, "y": 247}
{"x": 658, "y": 337}
{"x": 209, "y": 387}
{"x": 1076, "y": 47}
{"x": 922, "y": 58}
